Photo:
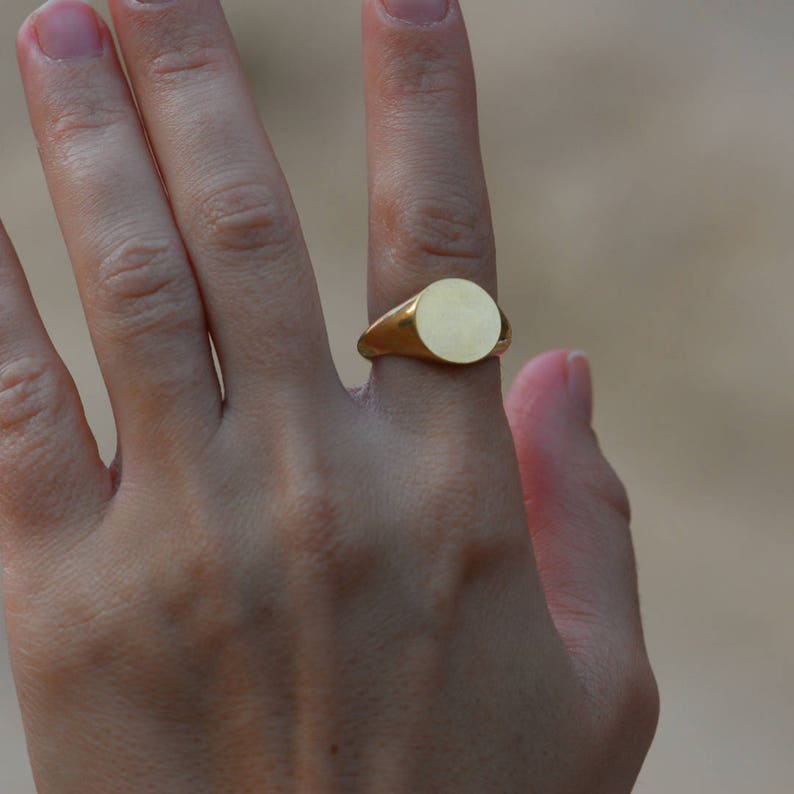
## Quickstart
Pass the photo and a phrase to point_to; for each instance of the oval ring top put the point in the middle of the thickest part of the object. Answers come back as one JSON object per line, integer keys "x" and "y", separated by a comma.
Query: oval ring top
{"x": 458, "y": 321}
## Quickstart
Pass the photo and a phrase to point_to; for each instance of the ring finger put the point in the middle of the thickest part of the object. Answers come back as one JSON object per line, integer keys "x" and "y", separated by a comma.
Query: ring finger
{"x": 429, "y": 211}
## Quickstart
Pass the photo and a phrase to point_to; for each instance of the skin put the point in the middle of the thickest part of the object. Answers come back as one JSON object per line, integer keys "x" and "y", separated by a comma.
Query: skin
{"x": 288, "y": 586}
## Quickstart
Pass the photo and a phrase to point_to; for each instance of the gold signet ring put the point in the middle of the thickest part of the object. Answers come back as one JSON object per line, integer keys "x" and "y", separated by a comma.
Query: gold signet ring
{"x": 454, "y": 321}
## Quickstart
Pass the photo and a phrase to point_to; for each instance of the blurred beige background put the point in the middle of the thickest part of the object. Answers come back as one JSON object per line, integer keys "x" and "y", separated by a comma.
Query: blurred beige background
{"x": 641, "y": 163}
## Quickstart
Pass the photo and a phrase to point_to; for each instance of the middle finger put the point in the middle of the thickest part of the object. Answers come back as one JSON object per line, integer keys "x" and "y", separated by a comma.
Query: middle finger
{"x": 229, "y": 197}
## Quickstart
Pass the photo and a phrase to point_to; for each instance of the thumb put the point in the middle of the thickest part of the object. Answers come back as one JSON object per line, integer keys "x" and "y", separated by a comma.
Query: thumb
{"x": 577, "y": 509}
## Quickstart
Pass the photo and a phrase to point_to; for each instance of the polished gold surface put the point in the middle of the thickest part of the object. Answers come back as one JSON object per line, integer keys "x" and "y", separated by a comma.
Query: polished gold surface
{"x": 452, "y": 321}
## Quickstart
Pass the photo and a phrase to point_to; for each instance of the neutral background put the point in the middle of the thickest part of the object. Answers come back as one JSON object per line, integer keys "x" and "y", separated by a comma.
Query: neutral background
{"x": 641, "y": 163}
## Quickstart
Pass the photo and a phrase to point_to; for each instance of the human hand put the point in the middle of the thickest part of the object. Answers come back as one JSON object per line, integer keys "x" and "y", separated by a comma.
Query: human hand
{"x": 289, "y": 586}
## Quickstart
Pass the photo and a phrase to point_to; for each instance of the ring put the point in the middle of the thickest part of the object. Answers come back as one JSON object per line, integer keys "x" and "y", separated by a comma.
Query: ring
{"x": 453, "y": 321}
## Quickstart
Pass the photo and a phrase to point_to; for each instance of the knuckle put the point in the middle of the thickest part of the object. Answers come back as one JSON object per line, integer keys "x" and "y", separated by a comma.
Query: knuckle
{"x": 247, "y": 218}
{"x": 421, "y": 75}
{"x": 311, "y": 530}
{"x": 67, "y": 638}
{"x": 428, "y": 232}
{"x": 190, "y": 603}
{"x": 86, "y": 115}
{"x": 199, "y": 605}
{"x": 197, "y": 58}
{"x": 308, "y": 513}
{"x": 454, "y": 509}
{"x": 28, "y": 393}
{"x": 638, "y": 705}
{"x": 144, "y": 287}
{"x": 646, "y": 702}
{"x": 623, "y": 693}
{"x": 608, "y": 489}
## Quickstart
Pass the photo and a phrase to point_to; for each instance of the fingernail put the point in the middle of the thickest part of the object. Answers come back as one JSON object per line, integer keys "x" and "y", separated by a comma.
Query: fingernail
{"x": 68, "y": 29}
{"x": 418, "y": 12}
{"x": 580, "y": 384}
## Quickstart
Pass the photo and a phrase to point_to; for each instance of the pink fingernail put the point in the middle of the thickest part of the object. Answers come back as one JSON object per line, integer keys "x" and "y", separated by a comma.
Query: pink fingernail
{"x": 580, "y": 384}
{"x": 418, "y": 12}
{"x": 68, "y": 29}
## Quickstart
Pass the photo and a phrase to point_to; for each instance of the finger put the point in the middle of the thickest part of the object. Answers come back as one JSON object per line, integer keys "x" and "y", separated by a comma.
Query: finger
{"x": 429, "y": 212}
{"x": 141, "y": 300}
{"x": 577, "y": 508}
{"x": 50, "y": 470}
{"x": 229, "y": 196}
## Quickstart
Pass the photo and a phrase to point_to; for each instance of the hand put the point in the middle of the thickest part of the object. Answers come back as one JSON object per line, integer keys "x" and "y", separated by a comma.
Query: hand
{"x": 287, "y": 586}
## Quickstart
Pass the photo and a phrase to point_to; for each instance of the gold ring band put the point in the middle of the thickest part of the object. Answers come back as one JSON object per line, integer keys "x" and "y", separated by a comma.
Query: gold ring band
{"x": 453, "y": 321}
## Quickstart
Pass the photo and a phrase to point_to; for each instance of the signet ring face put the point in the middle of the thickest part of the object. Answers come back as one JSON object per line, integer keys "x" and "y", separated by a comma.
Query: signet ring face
{"x": 453, "y": 321}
